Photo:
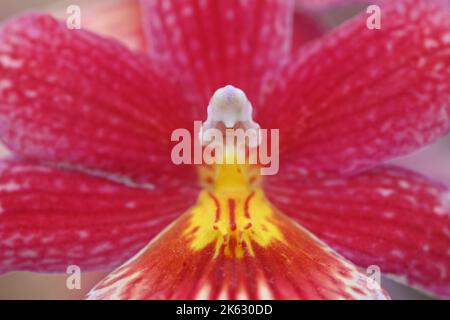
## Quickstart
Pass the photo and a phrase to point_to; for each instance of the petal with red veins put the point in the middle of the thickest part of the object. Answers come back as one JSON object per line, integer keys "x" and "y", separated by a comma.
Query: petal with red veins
{"x": 389, "y": 217}
{"x": 71, "y": 97}
{"x": 269, "y": 257}
{"x": 119, "y": 19}
{"x": 213, "y": 43}
{"x": 357, "y": 96}
{"x": 50, "y": 219}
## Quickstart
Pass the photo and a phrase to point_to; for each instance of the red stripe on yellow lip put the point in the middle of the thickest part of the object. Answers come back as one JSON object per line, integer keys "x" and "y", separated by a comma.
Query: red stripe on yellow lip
{"x": 225, "y": 219}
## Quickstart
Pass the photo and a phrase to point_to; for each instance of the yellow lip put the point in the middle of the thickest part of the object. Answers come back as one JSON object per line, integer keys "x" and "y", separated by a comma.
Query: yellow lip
{"x": 232, "y": 211}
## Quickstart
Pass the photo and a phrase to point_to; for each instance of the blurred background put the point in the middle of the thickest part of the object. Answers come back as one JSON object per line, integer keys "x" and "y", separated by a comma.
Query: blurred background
{"x": 8, "y": 8}
{"x": 433, "y": 161}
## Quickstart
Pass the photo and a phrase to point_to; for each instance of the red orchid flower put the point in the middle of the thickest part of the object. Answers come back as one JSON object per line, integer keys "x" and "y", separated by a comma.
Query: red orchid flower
{"x": 91, "y": 181}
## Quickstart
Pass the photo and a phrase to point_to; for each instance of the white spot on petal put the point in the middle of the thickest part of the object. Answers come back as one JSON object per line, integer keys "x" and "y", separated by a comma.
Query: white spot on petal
{"x": 264, "y": 291}
{"x": 397, "y": 253}
{"x": 388, "y": 215}
{"x": 83, "y": 234}
{"x": 203, "y": 293}
{"x": 385, "y": 192}
{"x": 10, "y": 186}
{"x": 8, "y": 62}
{"x": 28, "y": 253}
{"x": 404, "y": 184}
{"x": 446, "y": 38}
{"x": 4, "y": 84}
{"x": 130, "y": 205}
{"x": 430, "y": 43}
{"x": 30, "y": 94}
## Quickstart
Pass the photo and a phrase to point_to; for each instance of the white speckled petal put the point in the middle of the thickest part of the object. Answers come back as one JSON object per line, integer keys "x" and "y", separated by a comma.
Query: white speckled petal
{"x": 212, "y": 43}
{"x": 357, "y": 96}
{"x": 51, "y": 218}
{"x": 73, "y": 98}
{"x": 389, "y": 217}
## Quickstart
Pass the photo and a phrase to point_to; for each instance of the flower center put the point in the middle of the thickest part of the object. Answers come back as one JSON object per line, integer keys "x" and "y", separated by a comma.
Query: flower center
{"x": 229, "y": 106}
{"x": 230, "y": 117}
{"x": 232, "y": 212}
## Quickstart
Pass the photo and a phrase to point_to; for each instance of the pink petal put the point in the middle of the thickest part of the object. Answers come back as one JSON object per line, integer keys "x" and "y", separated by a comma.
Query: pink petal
{"x": 70, "y": 97}
{"x": 50, "y": 219}
{"x": 299, "y": 267}
{"x": 358, "y": 96}
{"x": 212, "y": 43}
{"x": 388, "y": 217}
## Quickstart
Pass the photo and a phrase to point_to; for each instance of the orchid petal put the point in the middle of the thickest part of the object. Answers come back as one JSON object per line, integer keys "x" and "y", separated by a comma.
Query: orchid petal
{"x": 388, "y": 217}
{"x": 212, "y": 43}
{"x": 73, "y": 98}
{"x": 51, "y": 219}
{"x": 357, "y": 96}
